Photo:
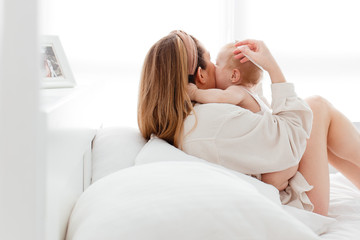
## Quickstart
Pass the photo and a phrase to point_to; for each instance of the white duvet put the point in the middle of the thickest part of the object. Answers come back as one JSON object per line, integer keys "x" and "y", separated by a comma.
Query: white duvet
{"x": 171, "y": 195}
{"x": 345, "y": 208}
{"x": 180, "y": 200}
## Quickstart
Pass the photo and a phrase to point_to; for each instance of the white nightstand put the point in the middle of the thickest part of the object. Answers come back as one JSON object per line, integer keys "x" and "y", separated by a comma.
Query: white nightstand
{"x": 69, "y": 119}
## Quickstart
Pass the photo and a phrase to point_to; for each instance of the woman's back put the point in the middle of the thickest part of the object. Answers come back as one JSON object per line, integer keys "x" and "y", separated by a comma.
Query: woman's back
{"x": 250, "y": 143}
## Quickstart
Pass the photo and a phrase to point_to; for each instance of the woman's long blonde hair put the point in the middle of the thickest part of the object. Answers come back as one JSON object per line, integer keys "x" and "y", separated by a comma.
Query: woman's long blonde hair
{"x": 163, "y": 102}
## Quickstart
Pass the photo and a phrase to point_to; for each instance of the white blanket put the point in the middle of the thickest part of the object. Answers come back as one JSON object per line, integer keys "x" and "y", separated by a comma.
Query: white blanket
{"x": 345, "y": 208}
{"x": 179, "y": 200}
{"x": 173, "y": 198}
{"x": 171, "y": 195}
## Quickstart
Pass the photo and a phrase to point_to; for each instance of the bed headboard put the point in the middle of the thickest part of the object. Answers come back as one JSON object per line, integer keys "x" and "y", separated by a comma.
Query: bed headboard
{"x": 71, "y": 122}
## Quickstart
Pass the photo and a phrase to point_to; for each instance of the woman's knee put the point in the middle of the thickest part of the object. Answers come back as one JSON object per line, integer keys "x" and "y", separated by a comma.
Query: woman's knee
{"x": 319, "y": 106}
{"x": 317, "y": 101}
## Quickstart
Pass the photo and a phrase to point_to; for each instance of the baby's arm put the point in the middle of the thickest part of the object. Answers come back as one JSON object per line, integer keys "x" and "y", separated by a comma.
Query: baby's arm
{"x": 232, "y": 95}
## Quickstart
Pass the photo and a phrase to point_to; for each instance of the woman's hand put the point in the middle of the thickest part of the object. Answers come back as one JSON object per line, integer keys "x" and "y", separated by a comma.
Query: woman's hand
{"x": 191, "y": 91}
{"x": 257, "y": 52}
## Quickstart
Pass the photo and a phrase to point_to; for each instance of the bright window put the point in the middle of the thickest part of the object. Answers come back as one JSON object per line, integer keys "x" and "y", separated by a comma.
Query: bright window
{"x": 315, "y": 42}
{"x": 108, "y": 40}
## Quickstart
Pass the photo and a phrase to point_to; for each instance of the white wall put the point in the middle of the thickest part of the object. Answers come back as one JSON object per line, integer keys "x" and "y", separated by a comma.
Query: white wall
{"x": 21, "y": 172}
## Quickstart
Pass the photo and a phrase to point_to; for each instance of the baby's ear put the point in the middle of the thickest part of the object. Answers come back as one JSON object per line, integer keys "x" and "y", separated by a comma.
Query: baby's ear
{"x": 235, "y": 76}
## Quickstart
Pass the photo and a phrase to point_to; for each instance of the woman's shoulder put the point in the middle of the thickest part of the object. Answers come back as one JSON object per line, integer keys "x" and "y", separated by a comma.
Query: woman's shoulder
{"x": 216, "y": 114}
{"x": 208, "y": 120}
{"x": 217, "y": 108}
{"x": 220, "y": 106}
{"x": 219, "y": 120}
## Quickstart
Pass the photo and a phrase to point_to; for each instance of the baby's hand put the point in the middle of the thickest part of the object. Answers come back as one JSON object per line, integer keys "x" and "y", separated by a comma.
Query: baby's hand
{"x": 191, "y": 91}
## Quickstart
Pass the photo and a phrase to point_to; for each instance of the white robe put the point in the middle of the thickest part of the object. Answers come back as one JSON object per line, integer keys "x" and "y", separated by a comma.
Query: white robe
{"x": 248, "y": 142}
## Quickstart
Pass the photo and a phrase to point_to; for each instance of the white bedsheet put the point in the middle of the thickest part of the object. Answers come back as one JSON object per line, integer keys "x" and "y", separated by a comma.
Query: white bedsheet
{"x": 345, "y": 208}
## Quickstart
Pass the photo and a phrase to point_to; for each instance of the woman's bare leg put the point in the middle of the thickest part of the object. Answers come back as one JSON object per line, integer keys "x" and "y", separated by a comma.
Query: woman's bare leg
{"x": 333, "y": 139}
{"x": 343, "y": 144}
{"x": 344, "y": 138}
{"x": 349, "y": 169}
{"x": 314, "y": 163}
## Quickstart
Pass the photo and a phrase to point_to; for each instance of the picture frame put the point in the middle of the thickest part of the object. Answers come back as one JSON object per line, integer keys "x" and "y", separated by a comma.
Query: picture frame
{"x": 55, "y": 68}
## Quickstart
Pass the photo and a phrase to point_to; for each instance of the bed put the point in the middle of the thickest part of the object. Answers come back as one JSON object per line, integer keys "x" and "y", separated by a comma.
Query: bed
{"x": 135, "y": 189}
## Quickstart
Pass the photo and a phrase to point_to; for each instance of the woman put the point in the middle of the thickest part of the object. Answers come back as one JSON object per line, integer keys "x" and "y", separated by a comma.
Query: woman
{"x": 225, "y": 134}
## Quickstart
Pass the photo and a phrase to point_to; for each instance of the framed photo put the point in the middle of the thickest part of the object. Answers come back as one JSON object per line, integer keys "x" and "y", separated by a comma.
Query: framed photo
{"x": 55, "y": 69}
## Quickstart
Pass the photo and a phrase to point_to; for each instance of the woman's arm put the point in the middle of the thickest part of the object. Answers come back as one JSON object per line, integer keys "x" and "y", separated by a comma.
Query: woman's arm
{"x": 259, "y": 91}
{"x": 257, "y": 52}
{"x": 230, "y": 95}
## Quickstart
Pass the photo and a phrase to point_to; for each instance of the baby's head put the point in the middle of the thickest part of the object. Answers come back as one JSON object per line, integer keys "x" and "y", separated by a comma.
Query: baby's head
{"x": 230, "y": 71}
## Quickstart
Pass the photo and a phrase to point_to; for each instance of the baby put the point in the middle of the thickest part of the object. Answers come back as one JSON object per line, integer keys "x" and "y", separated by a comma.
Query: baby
{"x": 236, "y": 83}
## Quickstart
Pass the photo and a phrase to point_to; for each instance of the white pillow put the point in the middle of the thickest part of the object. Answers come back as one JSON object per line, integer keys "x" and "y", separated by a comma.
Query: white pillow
{"x": 115, "y": 148}
{"x": 177, "y": 201}
{"x": 158, "y": 150}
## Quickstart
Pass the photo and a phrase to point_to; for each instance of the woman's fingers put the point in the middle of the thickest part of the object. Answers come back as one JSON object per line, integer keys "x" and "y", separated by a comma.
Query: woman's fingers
{"x": 242, "y": 57}
{"x": 245, "y": 42}
{"x": 256, "y": 52}
{"x": 241, "y": 53}
{"x": 251, "y": 43}
{"x": 237, "y": 51}
{"x": 243, "y": 60}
